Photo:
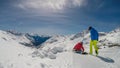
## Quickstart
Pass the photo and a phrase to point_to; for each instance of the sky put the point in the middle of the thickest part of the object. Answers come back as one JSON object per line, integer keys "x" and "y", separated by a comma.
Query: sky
{"x": 62, "y": 17}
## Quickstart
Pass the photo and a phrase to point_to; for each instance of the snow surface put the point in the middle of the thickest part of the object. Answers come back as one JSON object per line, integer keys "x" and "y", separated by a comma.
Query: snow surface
{"x": 56, "y": 52}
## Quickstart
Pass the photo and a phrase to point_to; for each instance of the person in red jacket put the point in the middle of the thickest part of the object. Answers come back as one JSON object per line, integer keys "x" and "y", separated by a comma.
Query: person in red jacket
{"x": 79, "y": 47}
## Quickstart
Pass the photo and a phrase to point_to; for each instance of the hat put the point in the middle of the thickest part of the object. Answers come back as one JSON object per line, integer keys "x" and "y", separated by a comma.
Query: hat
{"x": 81, "y": 42}
{"x": 90, "y": 27}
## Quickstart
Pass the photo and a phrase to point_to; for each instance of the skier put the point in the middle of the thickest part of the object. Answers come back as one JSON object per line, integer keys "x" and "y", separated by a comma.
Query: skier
{"x": 94, "y": 40}
{"x": 79, "y": 48}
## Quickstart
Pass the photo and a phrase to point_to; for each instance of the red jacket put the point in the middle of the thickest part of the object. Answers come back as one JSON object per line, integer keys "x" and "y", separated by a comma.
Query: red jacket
{"x": 78, "y": 47}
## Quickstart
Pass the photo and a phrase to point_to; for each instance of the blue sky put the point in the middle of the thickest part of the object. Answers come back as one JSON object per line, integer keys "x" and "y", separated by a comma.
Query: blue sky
{"x": 59, "y": 16}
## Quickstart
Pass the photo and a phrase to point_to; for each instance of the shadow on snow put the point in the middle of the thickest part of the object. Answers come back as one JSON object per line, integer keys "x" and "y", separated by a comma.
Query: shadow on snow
{"x": 106, "y": 59}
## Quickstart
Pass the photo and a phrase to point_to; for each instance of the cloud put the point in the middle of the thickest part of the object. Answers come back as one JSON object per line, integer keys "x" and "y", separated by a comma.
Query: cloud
{"x": 51, "y": 5}
{"x": 48, "y": 10}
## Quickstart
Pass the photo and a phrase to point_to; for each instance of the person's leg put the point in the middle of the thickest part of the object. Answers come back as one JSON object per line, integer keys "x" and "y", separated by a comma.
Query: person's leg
{"x": 95, "y": 46}
{"x": 91, "y": 43}
{"x": 80, "y": 52}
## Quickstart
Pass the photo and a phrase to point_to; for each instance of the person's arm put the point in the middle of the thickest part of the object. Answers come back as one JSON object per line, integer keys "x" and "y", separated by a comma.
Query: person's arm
{"x": 82, "y": 49}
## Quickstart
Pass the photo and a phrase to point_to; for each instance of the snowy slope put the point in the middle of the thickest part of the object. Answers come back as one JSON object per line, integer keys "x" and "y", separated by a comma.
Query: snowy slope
{"x": 109, "y": 57}
{"x": 56, "y": 52}
{"x": 13, "y": 54}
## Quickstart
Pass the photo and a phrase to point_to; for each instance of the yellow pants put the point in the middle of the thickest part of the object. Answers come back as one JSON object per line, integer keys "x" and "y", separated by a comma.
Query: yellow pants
{"x": 93, "y": 43}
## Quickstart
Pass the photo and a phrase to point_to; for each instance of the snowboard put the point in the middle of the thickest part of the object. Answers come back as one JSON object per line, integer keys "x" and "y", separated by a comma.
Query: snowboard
{"x": 82, "y": 53}
{"x": 85, "y": 53}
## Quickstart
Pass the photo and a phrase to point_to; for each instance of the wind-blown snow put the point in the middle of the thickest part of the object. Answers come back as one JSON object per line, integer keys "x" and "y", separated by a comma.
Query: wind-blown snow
{"x": 56, "y": 52}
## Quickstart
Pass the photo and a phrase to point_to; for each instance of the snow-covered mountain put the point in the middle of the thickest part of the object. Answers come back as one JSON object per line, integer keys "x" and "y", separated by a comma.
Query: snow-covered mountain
{"x": 9, "y": 36}
{"x": 56, "y": 52}
{"x": 23, "y": 38}
{"x": 37, "y": 40}
{"x": 105, "y": 39}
